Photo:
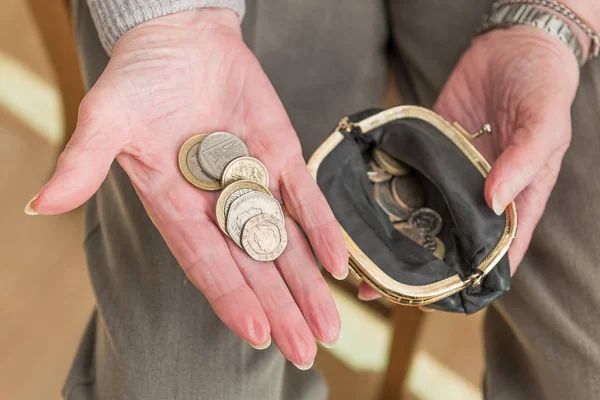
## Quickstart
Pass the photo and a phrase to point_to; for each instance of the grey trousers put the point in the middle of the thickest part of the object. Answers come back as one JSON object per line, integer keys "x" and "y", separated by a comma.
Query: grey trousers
{"x": 154, "y": 336}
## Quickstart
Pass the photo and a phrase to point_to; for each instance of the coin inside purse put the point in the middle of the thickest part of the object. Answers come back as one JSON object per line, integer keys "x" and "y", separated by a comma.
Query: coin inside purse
{"x": 475, "y": 269}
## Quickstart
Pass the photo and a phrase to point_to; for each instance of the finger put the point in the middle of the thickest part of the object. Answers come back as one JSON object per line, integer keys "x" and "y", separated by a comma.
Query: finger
{"x": 308, "y": 206}
{"x": 180, "y": 213}
{"x": 367, "y": 293}
{"x": 81, "y": 168}
{"x": 305, "y": 281}
{"x": 288, "y": 327}
{"x": 531, "y": 204}
{"x": 517, "y": 166}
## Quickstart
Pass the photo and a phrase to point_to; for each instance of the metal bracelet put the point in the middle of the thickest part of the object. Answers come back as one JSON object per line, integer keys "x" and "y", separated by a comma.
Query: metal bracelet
{"x": 530, "y": 14}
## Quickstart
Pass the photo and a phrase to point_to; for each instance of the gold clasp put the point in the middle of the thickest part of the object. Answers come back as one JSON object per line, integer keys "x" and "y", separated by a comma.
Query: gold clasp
{"x": 345, "y": 125}
{"x": 475, "y": 279}
{"x": 485, "y": 130}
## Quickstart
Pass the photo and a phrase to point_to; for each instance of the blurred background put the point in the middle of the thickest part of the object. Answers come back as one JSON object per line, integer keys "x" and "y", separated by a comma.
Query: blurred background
{"x": 384, "y": 351}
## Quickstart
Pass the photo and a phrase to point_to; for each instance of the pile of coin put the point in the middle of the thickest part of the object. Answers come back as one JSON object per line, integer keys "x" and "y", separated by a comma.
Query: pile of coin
{"x": 246, "y": 211}
{"x": 400, "y": 195}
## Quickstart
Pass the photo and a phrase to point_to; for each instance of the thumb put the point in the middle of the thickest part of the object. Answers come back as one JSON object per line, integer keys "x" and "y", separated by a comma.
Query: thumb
{"x": 517, "y": 166}
{"x": 80, "y": 170}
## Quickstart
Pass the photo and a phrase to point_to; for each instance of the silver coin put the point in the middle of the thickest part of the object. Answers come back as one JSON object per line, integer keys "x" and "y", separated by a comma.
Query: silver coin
{"x": 219, "y": 149}
{"x": 430, "y": 243}
{"x": 382, "y": 194}
{"x": 415, "y": 234}
{"x": 247, "y": 206}
{"x": 264, "y": 237}
{"x": 407, "y": 192}
{"x": 377, "y": 174}
{"x": 428, "y": 220}
{"x": 234, "y": 196}
{"x": 194, "y": 164}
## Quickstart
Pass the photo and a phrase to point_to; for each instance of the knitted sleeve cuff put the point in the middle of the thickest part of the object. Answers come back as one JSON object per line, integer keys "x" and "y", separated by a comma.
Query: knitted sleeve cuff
{"x": 115, "y": 17}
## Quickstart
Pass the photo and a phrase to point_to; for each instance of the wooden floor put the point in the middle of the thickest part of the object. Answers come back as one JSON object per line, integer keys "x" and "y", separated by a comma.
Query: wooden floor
{"x": 45, "y": 295}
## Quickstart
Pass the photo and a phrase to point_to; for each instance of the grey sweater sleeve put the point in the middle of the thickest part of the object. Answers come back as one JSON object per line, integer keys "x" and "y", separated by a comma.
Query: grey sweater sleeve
{"x": 115, "y": 17}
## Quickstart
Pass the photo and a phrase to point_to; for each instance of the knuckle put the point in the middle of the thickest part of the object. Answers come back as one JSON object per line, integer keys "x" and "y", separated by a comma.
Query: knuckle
{"x": 216, "y": 295}
{"x": 87, "y": 109}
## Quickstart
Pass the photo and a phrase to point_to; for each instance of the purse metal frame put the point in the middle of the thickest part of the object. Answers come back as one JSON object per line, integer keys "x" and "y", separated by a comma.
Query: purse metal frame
{"x": 361, "y": 266}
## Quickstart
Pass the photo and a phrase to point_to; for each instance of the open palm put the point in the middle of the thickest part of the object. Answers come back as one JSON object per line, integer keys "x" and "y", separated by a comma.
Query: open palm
{"x": 167, "y": 80}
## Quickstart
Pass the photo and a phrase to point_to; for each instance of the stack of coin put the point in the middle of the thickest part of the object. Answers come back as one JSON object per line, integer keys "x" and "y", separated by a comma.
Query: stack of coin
{"x": 246, "y": 210}
{"x": 400, "y": 195}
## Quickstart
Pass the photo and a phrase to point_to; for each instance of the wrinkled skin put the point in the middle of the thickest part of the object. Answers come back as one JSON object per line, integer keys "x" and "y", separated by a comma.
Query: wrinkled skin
{"x": 190, "y": 72}
{"x": 523, "y": 82}
{"x": 167, "y": 80}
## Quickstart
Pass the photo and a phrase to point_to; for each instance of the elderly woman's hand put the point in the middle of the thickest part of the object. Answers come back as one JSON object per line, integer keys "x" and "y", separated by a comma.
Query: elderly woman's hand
{"x": 190, "y": 73}
{"x": 522, "y": 81}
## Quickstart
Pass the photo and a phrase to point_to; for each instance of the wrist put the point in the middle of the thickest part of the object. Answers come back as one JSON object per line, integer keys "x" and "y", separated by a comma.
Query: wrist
{"x": 529, "y": 45}
{"x": 171, "y": 30}
{"x": 587, "y": 10}
{"x": 114, "y": 23}
{"x": 198, "y": 20}
{"x": 553, "y": 17}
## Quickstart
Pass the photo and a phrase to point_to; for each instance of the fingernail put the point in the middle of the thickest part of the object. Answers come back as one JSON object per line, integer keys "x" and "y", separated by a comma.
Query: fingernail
{"x": 367, "y": 298}
{"x": 341, "y": 277}
{"x": 426, "y": 309}
{"x": 329, "y": 345}
{"x": 262, "y": 346}
{"x": 29, "y": 206}
{"x": 304, "y": 367}
{"x": 504, "y": 194}
{"x": 496, "y": 206}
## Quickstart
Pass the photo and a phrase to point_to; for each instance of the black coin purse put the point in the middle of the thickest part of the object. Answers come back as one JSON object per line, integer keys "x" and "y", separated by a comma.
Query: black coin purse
{"x": 475, "y": 270}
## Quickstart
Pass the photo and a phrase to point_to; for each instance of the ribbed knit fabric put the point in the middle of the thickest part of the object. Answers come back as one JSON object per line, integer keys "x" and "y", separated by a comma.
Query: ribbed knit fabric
{"x": 115, "y": 17}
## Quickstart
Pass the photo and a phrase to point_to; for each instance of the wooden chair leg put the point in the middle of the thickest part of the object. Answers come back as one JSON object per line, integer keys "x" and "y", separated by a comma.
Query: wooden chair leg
{"x": 52, "y": 18}
{"x": 406, "y": 322}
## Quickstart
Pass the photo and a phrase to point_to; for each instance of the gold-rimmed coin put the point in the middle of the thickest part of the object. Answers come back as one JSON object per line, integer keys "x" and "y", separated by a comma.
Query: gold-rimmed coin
{"x": 231, "y": 193}
{"x": 389, "y": 163}
{"x": 440, "y": 249}
{"x": 246, "y": 169}
{"x": 264, "y": 237}
{"x": 190, "y": 167}
{"x": 377, "y": 174}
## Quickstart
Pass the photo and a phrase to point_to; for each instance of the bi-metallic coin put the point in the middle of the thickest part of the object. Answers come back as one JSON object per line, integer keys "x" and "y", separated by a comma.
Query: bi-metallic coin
{"x": 264, "y": 237}
{"x": 190, "y": 167}
{"x": 245, "y": 168}
{"x": 389, "y": 163}
{"x": 428, "y": 220}
{"x": 219, "y": 149}
{"x": 377, "y": 174}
